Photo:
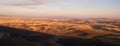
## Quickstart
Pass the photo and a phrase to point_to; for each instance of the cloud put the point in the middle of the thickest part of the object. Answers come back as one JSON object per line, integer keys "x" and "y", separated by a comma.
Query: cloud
{"x": 24, "y": 2}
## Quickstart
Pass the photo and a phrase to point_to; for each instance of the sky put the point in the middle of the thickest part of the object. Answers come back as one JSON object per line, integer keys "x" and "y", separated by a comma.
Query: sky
{"x": 67, "y": 8}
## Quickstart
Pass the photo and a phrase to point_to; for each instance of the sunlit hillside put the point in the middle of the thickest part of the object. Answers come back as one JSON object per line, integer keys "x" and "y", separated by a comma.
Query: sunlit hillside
{"x": 61, "y": 27}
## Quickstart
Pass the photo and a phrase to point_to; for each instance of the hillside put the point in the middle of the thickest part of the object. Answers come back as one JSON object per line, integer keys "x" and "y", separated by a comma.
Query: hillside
{"x": 59, "y": 32}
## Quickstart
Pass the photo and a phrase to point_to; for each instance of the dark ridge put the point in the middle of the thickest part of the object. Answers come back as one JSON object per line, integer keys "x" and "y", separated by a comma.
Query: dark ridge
{"x": 21, "y": 37}
{"x": 16, "y": 37}
{"x": 20, "y": 32}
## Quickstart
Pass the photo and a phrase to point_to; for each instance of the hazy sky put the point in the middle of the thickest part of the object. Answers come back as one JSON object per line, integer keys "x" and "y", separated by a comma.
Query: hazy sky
{"x": 72, "y": 8}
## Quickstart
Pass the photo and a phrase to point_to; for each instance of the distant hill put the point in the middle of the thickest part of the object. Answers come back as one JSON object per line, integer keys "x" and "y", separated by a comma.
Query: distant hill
{"x": 3, "y": 15}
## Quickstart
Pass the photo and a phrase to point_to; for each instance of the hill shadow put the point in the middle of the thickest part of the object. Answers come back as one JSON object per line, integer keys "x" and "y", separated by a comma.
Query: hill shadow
{"x": 19, "y": 37}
